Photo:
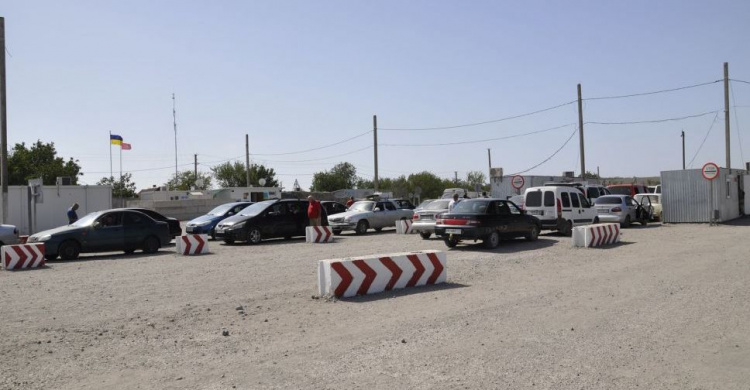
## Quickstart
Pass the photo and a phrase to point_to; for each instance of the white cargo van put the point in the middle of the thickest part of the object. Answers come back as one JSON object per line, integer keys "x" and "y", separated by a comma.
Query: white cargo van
{"x": 559, "y": 208}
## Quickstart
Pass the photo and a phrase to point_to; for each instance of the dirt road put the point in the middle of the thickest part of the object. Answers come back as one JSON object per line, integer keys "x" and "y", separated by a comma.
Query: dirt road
{"x": 668, "y": 309}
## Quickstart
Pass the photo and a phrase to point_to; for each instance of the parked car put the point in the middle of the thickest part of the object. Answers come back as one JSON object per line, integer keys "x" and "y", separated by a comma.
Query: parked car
{"x": 627, "y": 189}
{"x": 8, "y": 235}
{"x": 559, "y": 208}
{"x": 655, "y": 202}
{"x": 104, "y": 231}
{"x": 367, "y": 214}
{"x": 621, "y": 209}
{"x": 488, "y": 220}
{"x": 268, "y": 219}
{"x": 174, "y": 225}
{"x": 424, "y": 218}
{"x": 404, "y": 204}
{"x": 423, "y": 204}
{"x": 205, "y": 224}
{"x": 333, "y": 207}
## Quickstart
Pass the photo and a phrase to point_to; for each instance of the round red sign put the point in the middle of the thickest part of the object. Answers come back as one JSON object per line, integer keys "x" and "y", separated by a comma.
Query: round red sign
{"x": 710, "y": 171}
{"x": 517, "y": 182}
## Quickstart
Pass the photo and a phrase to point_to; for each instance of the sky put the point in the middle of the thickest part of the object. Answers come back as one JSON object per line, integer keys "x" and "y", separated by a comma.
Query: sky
{"x": 299, "y": 77}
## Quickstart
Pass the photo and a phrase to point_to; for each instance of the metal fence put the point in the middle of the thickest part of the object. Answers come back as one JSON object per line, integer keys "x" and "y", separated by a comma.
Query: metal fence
{"x": 686, "y": 196}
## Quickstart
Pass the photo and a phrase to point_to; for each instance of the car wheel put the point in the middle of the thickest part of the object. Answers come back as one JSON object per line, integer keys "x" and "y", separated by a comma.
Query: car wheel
{"x": 69, "y": 250}
{"x": 627, "y": 222}
{"x": 213, "y": 234}
{"x": 644, "y": 221}
{"x": 425, "y": 235}
{"x": 50, "y": 257}
{"x": 129, "y": 251}
{"x": 151, "y": 244}
{"x": 533, "y": 234}
{"x": 229, "y": 242}
{"x": 596, "y": 220}
{"x": 253, "y": 236}
{"x": 451, "y": 242}
{"x": 362, "y": 227}
{"x": 491, "y": 241}
{"x": 337, "y": 232}
{"x": 567, "y": 229}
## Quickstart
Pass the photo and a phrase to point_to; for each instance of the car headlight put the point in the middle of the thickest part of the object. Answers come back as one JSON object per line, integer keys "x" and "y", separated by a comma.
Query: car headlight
{"x": 239, "y": 225}
{"x": 44, "y": 238}
{"x": 348, "y": 219}
{"x": 204, "y": 223}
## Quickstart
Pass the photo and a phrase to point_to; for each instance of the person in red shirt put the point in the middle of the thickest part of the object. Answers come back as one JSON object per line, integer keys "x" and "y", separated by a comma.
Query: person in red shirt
{"x": 350, "y": 202}
{"x": 313, "y": 211}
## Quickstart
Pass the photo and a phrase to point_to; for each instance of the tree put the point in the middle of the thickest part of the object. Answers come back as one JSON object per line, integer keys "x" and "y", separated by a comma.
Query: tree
{"x": 39, "y": 160}
{"x": 235, "y": 175}
{"x": 185, "y": 180}
{"x": 341, "y": 176}
{"x": 432, "y": 186}
{"x": 474, "y": 178}
{"x": 121, "y": 188}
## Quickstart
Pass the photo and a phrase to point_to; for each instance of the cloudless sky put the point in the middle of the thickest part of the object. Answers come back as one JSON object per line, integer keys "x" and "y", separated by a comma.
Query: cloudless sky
{"x": 299, "y": 75}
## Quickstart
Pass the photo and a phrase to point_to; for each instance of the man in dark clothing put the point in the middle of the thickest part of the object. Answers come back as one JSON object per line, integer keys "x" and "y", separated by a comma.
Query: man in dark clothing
{"x": 313, "y": 211}
{"x": 72, "y": 216}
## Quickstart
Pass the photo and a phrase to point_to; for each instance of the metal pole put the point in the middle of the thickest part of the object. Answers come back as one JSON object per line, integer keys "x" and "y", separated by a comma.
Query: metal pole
{"x": 195, "y": 169}
{"x": 711, "y": 203}
{"x": 111, "y": 172}
{"x": 489, "y": 162}
{"x": 174, "y": 123}
{"x": 683, "y": 150}
{"x": 247, "y": 160}
{"x": 3, "y": 124}
{"x": 580, "y": 133}
{"x": 375, "y": 143}
{"x": 726, "y": 114}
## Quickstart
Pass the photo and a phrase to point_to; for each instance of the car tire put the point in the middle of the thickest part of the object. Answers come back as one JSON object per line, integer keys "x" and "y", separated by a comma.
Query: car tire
{"x": 596, "y": 220}
{"x": 491, "y": 241}
{"x": 362, "y": 227}
{"x": 213, "y": 234}
{"x": 337, "y": 232}
{"x": 69, "y": 250}
{"x": 567, "y": 229}
{"x": 253, "y": 236}
{"x": 50, "y": 257}
{"x": 129, "y": 251}
{"x": 533, "y": 234}
{"x": 450, "y": 242}
{"x": 644, "y": 221}
{"x": 627, "y": 222}
{"x": 229, "y": 242}
{"x": 425, "y": 235}
{"x": 151, "y": 245}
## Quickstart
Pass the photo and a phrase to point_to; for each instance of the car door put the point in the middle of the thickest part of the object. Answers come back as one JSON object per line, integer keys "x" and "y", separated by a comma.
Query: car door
{"x": 632, "y": 208}
{"x": 586, "y": 213}
{"x": 135, "y": 227}
{"x": 520, "y": 223}
{"x": 106, "y": 234}
{"x": 503, "y": 218}
{"x": 278, "y": 221}
{"x": 391, "y": 215}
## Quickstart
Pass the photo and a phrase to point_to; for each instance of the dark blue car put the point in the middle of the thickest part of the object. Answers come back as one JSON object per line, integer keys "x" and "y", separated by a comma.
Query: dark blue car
{"x": 205, "y": 224}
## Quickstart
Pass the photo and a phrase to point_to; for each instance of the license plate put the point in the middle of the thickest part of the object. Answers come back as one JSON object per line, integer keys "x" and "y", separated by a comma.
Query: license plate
{"x": 189, "y": 229}
{"x": 536, "y": 212}
{"x": 219, "y": 231}
{"x": 453, "y": 231}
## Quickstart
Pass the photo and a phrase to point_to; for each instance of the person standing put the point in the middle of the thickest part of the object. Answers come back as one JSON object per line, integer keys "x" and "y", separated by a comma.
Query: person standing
{"x": 350, "y": 202}
{"x": 453, "y": 203}
{"x": 72, "y": 216}
{"x": 313, "y": 211}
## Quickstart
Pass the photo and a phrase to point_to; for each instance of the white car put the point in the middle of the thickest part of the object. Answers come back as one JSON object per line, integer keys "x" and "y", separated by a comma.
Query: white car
{"x": 368, "y": 214}
{"x": 8, "y": 235}
{"x": 559, "y": 208}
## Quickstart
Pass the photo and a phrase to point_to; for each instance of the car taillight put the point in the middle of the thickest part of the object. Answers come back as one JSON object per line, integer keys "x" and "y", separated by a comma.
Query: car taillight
{"x": 415, "y": 217}
{"x": 559, "y": 207}
{"x": 439, "y": 221}
{"x": 616, "y": 210}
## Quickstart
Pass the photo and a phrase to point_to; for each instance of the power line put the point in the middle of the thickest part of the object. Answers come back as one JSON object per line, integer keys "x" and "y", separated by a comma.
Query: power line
{"x": 553, "y": 154}
{"x": 483, "y": 140}
{"x": 653, "y": 92}
{"x": 170, "y": 167}
{"x": 653, "y": 120}
{"x": 704, "y": 139}
{"x": 479, "y": 123}
{"x": 317, "y": 159}
{"x": 740, "y": 81}
{"x": 314, "y": 149}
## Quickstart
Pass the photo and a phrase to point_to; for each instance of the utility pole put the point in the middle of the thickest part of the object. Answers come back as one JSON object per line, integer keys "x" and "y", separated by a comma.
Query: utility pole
{"x": 375, "y": 139}
{"x": 726, "y": 113}
{"x": 247, "y": 159}
{"x": 683, "y": 149}
{"x": 489, "y": 161}
{"x": 3, "y": 124}
{"x": 174, "y": 124}
{"x": 456, "y": 175}
{"x": 580, "y": 133}
{"x": 195, "y": 169}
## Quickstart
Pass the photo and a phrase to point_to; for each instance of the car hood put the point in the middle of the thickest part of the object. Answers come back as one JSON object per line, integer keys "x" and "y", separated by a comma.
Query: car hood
{"x": 351, "y": 214}
{"x": 425, "y": 211}
{"x": 59, "y": 230}
{"x": 236, "y": 219}
{"x": 203, "y": 218}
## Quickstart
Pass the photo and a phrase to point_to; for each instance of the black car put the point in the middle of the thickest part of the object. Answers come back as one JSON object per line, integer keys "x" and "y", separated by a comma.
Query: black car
{"x": 174, "y": 225}
{"x": 404, "y": 204}
{"x": 487, "y": 220}
{"x": 332, "y": 207}
{"x": 272, "y": 218}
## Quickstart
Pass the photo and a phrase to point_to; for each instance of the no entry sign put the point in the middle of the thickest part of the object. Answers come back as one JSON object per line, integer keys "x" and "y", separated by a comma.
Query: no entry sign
{"x": 710, "y": 171}
{"x": 517, "y": 182}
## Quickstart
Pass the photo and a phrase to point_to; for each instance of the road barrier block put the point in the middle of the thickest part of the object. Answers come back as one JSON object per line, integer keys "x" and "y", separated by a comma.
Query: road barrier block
{"x": 192, "y": 244}
{"x": 403, "y": 226}
{"x": 377, "y": 273}
{"x": 22, "y": 256}
{"x": 596, "y": 235}
{"x": 318, "y": 234}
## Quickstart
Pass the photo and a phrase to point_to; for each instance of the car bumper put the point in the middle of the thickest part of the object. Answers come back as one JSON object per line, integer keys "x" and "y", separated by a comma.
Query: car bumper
{"x": 231, "y": 235}
{"x": 611, "y": 218}
{"x": 426, "y": 227}
{"x": 342, "y": 225}
{"x": 462, "y": 231}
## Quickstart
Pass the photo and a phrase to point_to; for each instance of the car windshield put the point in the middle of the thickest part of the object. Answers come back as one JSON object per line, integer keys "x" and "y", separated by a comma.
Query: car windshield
{"x": 425, "y": 203}
{"x": 470, "y": 207}
{"x": 438, "y": 205}
{"x": 362, "y": 206}
{"x": 608, "y": 200}
{"x": 87, "y": 220}
{"x": 256, "y": 208}
{"x": 620, "y": 190}
{"x": 653, "y": 198}
{"x": 518, "y": 199}
{"x": 221, "y": 210}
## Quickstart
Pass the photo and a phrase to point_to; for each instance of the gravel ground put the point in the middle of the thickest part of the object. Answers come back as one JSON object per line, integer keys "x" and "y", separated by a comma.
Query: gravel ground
{"x": 666, "y": 309}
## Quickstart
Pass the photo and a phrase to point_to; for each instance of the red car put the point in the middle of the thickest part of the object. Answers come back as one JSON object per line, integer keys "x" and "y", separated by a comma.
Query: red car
{"x": 627, "y": 189}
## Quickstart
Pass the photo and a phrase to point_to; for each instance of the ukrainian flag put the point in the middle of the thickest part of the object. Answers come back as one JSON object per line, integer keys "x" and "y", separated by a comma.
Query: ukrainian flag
{"x": 115, "y": 139}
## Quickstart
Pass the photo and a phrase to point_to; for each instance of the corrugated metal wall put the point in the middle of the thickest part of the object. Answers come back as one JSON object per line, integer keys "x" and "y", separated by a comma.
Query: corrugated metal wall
{"x": 685, "y": 196}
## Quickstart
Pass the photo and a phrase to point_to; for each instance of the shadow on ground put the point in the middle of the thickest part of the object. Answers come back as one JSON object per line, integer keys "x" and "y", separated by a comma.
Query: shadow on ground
{"x": 403, "y": 292}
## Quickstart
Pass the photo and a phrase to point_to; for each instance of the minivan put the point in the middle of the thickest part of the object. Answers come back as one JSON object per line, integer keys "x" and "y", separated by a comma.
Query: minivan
{"x": 268, "y": 219}
{"x": 628, "y": 189}
{"x": 559, "y": 208}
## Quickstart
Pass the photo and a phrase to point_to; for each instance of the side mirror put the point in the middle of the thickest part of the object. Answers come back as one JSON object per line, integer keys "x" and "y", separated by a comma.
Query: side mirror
{"x": 273, "y": 213}
{"x": 230, "y": 213}
{"x": 377, "y": 209}
{"x": 97, "y": 225}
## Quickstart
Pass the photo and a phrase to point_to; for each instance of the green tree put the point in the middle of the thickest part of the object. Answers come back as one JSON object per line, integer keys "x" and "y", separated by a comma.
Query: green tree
{"x": 234, "y": 175}
{"x": 121, "y": 188}
{"x": 185, "y": 181}
{"x": 341, "y": 176}
{"x": 432, "y": 186}
{"x": 474, "y": 178}
{"x": 39, "y": 160}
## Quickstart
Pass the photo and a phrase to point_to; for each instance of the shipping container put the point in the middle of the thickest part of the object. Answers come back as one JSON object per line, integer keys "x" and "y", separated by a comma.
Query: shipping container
{"x": 686, "y": 195}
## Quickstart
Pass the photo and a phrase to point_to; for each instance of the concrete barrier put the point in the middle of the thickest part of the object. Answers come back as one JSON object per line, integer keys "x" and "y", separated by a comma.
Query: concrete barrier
{"x": 596, "y": 235}
{"x": 318, "y": 234}
{"x": 22, "y": 256}
{"x": 192, "y": 244}
{"x": 377, "y": 273}
{"x": 404, "y": 226}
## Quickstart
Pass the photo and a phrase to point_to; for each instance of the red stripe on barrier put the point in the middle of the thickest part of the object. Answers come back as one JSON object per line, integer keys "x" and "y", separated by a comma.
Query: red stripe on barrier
{"x": 419, "y": 270}
{"x": 438, "y": 268}
{"x": 21, "y": 256}
{"x": 601, "y": 236}
{"x": 318, "y": 234}
{"x": 346, "y": 279}
{"x": 395, "y": 272}
{"x": 186, "y": 241}
{"x": 328, "y": 234}
{"x": 593, "y": 235}
{"x": 370, "y": 275}
{"x": 201, "y": 243}
{"x": 606, "y": 235}
{"x": 6, "y": 260}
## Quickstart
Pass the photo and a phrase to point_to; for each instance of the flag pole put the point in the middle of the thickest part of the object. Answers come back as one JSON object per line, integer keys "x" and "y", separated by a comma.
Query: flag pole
{"x": 111, "y": 175}
{"x": 120, "y": 162}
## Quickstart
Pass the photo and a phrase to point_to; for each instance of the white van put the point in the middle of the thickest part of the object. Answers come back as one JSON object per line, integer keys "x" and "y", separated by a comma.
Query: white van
{"x": 559, "y": 208}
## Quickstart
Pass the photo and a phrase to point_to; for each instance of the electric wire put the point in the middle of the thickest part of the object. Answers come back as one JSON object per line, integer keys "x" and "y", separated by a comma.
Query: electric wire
{"x": 551, "y": 156}
{"x": 704, "y": 139}
{"x": 737, "y": 122}
{"x": 654, "y": 120}
{"x": 316, "y": 159}
{"x": 314, "y": 149}
{"x": 740, "y": 81}
{"x": 481, "y": 140}
{"x": 653, "y": 92}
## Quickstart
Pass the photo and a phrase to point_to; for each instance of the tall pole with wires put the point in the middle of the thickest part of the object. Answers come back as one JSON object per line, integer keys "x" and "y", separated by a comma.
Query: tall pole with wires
{"x": 683, "y": 149}
{"x": 247, "y": 159}
{"x": 174, "y": 124}
{"x": 580, "y": 133}
{"x": 726, "y": 114}
{"x": 3, "y": 124}
{"x": 375, "y": 143}
{"x": 489, "y": 162}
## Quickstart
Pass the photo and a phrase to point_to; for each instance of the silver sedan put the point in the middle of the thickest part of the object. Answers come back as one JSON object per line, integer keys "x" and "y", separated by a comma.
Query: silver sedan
{"x": 621, "y": 209}
{"x": 424, "y": 217}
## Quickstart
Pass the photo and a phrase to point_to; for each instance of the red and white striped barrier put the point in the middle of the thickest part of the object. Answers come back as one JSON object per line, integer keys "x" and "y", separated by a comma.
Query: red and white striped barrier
{"x": 318, "y": 234}
{"x": 192, "y": 244}
{"x": 596, "y": 235}
{"x": 403, "y": 226}
{"x": 22, "y": 256}
{"x": 377, "y": 273}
